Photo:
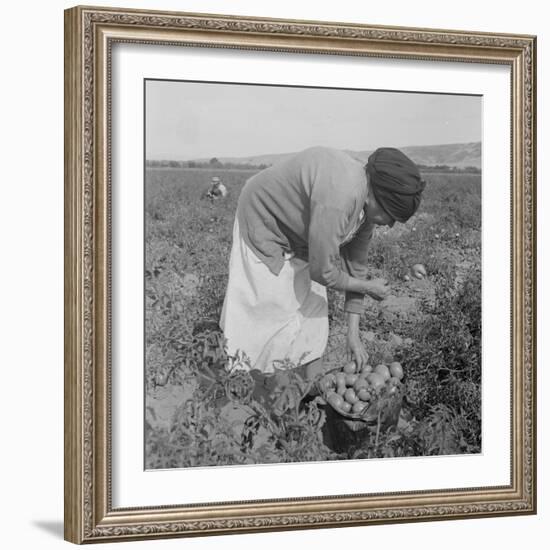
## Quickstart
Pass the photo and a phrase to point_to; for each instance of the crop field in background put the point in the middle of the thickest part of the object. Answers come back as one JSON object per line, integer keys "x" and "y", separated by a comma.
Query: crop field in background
{"x": 432, "y": 326}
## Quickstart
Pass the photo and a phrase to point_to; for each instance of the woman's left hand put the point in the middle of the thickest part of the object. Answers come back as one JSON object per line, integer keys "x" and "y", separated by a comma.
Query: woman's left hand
{"x": 356, "y": 350}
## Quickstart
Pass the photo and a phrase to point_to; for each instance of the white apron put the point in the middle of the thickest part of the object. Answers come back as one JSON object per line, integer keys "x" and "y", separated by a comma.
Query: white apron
{"x": 272, "y": 317}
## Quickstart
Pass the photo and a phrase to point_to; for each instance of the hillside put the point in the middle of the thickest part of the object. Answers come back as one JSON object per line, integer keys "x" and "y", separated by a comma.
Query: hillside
{"x": 457, "y": 155}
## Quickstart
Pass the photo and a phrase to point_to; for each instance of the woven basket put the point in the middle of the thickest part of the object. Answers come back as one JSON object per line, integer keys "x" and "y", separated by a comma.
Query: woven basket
{"x": 381, "y": 412}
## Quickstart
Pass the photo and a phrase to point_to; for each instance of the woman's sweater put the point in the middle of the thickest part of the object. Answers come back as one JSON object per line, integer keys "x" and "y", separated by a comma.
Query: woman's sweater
{"x": 310, "y": 204}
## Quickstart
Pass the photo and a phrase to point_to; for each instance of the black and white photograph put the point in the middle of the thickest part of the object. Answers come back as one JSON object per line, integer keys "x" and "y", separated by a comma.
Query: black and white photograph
{"x": 312, "y": 274}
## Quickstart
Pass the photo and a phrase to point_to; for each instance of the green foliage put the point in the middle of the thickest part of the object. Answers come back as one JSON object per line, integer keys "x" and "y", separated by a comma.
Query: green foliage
{"x": 228, "y": 420}
{"x": 436, "y": 235}
{"x": 444, "y": 361}
{"x": 441, "y": 432}
{"x": 278, "y": 427}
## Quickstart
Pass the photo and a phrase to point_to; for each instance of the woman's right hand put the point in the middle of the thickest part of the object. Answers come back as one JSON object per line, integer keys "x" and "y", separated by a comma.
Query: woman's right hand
{"x": 377, "y": 288}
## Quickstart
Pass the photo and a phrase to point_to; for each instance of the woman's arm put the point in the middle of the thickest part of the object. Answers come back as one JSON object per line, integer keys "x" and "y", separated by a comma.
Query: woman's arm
{"x": 355, "y": 261}
{"x": 327, "y": 227}
{"x": 355, "y": 258}
{"x": 355, "y": 348}
{"x": 375, "y": 288}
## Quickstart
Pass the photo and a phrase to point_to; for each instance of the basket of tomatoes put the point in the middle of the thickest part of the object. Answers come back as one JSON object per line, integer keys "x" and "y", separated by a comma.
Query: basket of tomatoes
{"x": 370, "y": 397}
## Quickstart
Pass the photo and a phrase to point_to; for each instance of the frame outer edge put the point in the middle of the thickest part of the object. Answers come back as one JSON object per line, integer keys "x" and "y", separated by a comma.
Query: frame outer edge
{"x": 73, "y": 425}
{"x": 535, "y": 280}
{"x": 532, "y": 153}
{"x": 83, "y": 432}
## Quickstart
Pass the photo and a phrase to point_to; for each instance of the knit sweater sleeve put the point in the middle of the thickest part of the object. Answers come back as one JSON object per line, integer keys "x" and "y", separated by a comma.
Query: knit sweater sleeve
{"x": 326, "y": 231}
{"x": 354, "y": 257}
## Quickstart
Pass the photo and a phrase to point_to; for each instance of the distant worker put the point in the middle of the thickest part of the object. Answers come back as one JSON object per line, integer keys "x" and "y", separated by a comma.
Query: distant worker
{"x": 217, "y": 189}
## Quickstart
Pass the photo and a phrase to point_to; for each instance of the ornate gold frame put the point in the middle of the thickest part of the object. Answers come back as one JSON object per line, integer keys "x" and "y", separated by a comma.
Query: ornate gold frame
{"x": 89, "y": 34}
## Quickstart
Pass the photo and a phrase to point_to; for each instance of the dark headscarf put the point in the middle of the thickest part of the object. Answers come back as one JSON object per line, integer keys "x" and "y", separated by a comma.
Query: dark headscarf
{"x": 396, "y": 182}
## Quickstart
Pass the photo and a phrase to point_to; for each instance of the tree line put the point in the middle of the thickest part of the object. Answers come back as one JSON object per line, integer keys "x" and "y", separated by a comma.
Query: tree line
{"x": 215, "y": 163}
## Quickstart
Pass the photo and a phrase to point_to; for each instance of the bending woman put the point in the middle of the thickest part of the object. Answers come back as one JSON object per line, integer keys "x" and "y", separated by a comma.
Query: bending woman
{"x": 302, "y": 225}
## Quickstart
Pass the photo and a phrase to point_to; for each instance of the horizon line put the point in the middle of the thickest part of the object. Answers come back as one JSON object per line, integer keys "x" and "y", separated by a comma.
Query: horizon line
{"x": 199, "y": 159}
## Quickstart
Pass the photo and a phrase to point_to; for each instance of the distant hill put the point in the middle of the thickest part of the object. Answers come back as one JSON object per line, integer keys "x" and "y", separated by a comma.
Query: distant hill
{"x": 459, "y": 155}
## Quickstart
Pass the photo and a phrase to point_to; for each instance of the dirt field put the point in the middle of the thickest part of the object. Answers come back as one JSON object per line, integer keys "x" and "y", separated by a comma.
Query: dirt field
{"x": 432, "y": 326}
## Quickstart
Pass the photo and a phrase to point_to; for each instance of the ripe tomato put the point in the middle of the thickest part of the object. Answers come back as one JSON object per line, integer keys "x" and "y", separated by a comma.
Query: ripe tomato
{"x": 366, "y": 369}
{"x": 335, "y": 400}
{"x": 341, "y": 389}
{"x": 351, "y": 379}
{"x": 327, "y": 384}
{"x": 346, "y": 407}
{"x": 383, "y": 371}
{"x": 376, "y": 381}
{"x": 350, "y": 396}
{"x": 364, "y": 394}
{"x": 396, "y": 370}
{"x": 419, "y": 271}
{"x": 340, "y": 379}
{"x": 350, "y": 368}
{"x": 358, "y": 407}
{"x": 361, "y": 383}
{"x": 394, "y": 381}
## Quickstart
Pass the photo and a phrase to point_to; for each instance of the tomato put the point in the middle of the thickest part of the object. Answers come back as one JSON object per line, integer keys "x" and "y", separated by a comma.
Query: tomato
{"x": 358, "y": 407}
{"x": 341, "y": 389}
{"x": 419, "y": 271}
{"x": 376, "y": 381}
{"x": 383, "y": 371}
{"x": 350, "y": 368}
{"x": 396, "y": 370}
{"x": 361, "y": 383}
{"x": 346, "y": 407}
{"x": 351, "y": 379}
{"x": 350, "y": 396}
{"x": 366, "y": 369}
{"x": 394, "y": 381}
{"x": 340, "y": 379}
{"x": 364, "y": 394}
{"x": 327, "y": 384}
{"x": 335, "y": 400}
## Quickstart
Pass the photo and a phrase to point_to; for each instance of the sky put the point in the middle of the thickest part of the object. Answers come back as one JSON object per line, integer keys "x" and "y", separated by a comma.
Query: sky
{"x": 190, "y": 120}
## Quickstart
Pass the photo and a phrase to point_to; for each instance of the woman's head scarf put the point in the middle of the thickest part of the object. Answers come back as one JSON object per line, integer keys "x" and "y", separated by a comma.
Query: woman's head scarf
{"x": 396, "y": 182}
